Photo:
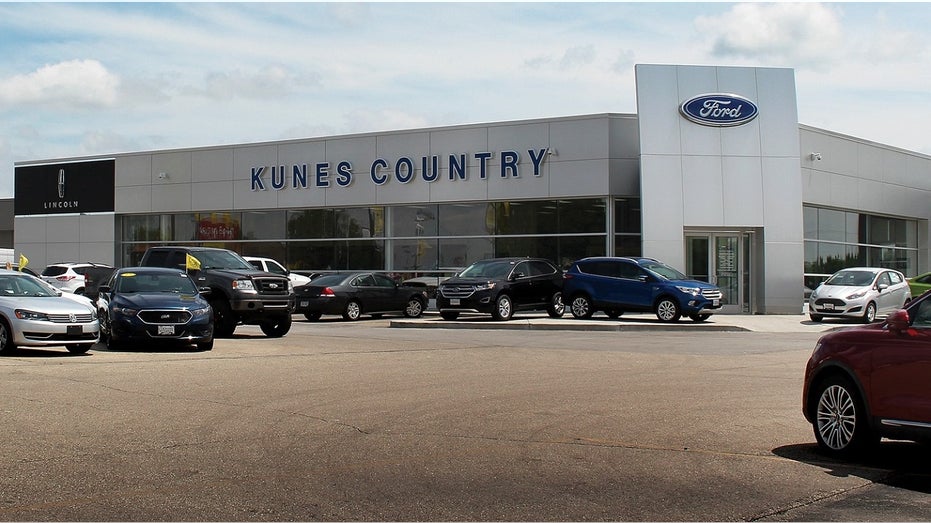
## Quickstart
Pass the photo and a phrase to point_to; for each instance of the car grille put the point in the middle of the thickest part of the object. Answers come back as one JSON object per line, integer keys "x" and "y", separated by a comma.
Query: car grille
{"x": 457, "y": 291}
{"x": 836, "y": 302}
{"x": 165, "y": 317}
{"x": 272, "y": 286}
{"x": 71, "y": 318}
{"x": 711, "y": 294}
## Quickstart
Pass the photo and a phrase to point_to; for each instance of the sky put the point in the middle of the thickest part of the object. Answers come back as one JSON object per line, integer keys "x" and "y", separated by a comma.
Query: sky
{"x": 87, "y": 79}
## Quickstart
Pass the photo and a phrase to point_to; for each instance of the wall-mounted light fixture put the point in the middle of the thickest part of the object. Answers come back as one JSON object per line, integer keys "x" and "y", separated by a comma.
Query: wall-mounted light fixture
{"x": 162, "y": 176}
{"x": 815, "y": 157}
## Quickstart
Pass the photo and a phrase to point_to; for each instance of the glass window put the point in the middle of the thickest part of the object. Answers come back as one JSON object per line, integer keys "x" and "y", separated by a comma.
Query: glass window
{"x": 533, "y": 246}
{"x": 627, "y": 215}
{"x": 383, "y": 281}
{"x": 526, "y": 217}
{"x": 466, "y": 219}
{"x": 363, "y": 222}
{"x": 832, "y": 225}
{"x": 414, "y": 254}
{"x": 263, "y": 225}
{"x": 457, "y": 253}
{"x": 414, "y": 220}
{"x": 626, "y": 245}
{"x": 311, "y": 224}
{"x": 583, "y": 216}
{"x": 274, "y": 250}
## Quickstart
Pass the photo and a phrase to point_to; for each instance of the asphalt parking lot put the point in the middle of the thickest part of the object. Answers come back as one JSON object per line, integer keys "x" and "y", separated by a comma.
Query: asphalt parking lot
{"x": 373, "y": 420}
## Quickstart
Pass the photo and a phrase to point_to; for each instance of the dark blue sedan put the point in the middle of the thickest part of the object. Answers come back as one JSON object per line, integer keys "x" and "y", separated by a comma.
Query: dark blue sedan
{"x": 150, "y": 304}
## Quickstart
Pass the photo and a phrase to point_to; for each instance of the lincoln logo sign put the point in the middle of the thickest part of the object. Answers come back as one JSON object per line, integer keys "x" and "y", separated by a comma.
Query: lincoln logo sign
{"x": 719, "y": 110}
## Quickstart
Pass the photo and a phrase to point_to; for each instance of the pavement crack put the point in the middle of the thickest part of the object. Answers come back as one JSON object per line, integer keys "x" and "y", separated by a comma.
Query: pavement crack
{"x": 807, "y": 502}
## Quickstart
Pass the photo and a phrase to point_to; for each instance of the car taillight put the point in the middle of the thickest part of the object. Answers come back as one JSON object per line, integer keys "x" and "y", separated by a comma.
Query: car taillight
{"x": 327, "y": 292}
{"x": 566, "y": 276}
{"x": 65, "y": 278}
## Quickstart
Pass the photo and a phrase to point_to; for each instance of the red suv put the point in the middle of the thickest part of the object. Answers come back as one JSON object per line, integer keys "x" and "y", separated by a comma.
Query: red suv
{"x": 864, "y": 383}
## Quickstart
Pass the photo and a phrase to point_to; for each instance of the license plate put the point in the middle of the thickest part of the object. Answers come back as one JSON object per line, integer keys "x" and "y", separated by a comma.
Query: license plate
{"x": 75, "y": 330}
{"x": 454, "y": 301}
{"x": 829, "y": 306}
{"x": 166, "y": 330}
{"x": 715, "y": 303}
{"x": 305, "y": 303}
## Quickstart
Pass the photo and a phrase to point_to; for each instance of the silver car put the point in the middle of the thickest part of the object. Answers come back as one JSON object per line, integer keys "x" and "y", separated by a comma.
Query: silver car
{"x": 859, "y": 292}
{"x": 33, "y": 315}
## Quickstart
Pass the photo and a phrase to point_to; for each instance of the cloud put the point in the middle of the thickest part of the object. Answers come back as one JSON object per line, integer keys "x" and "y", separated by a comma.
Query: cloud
{"x": 791, "y": 34}
{"x": 75, "y": 83}
{"x": 272, "y": 82}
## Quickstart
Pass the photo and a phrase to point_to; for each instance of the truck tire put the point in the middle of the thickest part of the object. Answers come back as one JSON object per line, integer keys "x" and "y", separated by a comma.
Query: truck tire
{"x": 276, "y": 327}
{"x": 224, "y": 321}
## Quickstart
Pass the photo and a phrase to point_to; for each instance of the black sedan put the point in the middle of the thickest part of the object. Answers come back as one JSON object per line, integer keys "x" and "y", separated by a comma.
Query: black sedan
{"x": 152, "y": 304}
{"x": 354, "y": 294}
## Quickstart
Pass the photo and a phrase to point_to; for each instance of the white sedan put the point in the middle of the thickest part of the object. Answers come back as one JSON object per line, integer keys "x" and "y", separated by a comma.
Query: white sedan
{"x": 33, "y": 315}
{"x": 859, "y": 292}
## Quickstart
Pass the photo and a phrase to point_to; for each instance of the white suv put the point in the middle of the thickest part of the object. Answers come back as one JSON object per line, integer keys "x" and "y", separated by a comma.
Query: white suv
{"x": 270, "y": 265}
{"x": 69, "y": 276}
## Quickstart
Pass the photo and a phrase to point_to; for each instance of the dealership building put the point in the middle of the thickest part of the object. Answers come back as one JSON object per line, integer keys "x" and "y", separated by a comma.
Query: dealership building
{"x": 713, "y": 175}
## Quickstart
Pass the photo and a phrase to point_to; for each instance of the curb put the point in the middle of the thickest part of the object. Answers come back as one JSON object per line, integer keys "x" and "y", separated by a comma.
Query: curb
{"x": 561, "y": 326}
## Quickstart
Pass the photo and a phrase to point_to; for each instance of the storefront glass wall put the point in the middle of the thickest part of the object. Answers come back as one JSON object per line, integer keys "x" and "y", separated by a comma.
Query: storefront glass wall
{"x": 835, "y": 239}
{"x": 412, "y": 240}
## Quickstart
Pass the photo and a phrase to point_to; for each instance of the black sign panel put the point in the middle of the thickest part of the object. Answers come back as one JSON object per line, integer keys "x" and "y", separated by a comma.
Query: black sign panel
{"x": 78, "y": 187}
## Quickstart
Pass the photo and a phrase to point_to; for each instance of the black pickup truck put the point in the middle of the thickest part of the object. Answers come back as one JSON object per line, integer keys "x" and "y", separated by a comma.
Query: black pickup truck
{"x": 239, "y": 294}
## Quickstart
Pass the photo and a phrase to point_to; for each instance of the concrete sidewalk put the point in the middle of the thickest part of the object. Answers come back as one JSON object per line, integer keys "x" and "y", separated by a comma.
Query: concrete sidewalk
{"x": 629, "y": 322}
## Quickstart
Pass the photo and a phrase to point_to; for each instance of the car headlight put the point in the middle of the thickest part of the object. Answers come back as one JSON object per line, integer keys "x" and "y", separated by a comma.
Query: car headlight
{"x": 488, "y": 285}
{"x": 24, "y": 314}
{"x": 856, "y": 295}
{"x": 694, "y": 291}
{"x": 197, "y": 313}
{"x": 290, "y": 287}
{"x": 243, "y": 285}
{"x": 125, "y": 311}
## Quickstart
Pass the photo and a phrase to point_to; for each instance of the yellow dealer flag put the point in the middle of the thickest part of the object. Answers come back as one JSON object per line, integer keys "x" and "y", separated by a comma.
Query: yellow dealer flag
{"x": 23, "y": 261}
{"x": 191, "y": 262}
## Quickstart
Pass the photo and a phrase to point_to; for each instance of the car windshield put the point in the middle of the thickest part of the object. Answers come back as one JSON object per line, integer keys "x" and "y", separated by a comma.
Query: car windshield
{"x": 851, "y": 278}
{"x": 221, "y": 260}
{"x": 132, "y": 282}
{"x": 663, "y": 270}
{"x": 15, "y": 285}
{"x": 487, "y": 269}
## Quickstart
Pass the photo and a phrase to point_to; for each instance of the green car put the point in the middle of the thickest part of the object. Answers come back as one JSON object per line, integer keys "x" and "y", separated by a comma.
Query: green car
{"x": 919, "y": 284}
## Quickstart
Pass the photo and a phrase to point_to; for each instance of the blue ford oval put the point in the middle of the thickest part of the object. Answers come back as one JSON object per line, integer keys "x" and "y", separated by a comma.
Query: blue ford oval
{"x": 719, "y": 110}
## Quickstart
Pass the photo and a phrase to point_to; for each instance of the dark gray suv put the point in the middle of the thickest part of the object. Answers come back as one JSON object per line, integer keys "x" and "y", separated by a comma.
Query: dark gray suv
{"x": 501, "y": 286}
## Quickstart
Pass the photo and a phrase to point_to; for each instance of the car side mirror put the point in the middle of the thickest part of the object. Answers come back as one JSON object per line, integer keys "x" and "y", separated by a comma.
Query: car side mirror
{"x": 517, "y": 275}
{"x": 103, "y": 288}
{"x": 882, "y": 286}
{"x": 898, "y": 321}
{"x": 644, "y": 278}
{"x": 204, "y": 291}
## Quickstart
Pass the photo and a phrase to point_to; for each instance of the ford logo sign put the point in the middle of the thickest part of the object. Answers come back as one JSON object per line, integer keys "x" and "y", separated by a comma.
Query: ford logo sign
{"x": 719, "y": 110}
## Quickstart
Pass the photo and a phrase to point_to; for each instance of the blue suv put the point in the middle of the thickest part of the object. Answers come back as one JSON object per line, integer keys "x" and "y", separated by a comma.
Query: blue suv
{"x": 618, "y": 285}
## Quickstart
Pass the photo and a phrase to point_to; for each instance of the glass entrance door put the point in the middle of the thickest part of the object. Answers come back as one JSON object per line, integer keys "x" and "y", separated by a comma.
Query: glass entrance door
{"x": 722, "y": 258}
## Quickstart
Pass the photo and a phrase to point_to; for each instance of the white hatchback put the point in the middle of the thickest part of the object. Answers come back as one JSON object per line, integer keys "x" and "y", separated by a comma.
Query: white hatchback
{"x": 859, "y": 292}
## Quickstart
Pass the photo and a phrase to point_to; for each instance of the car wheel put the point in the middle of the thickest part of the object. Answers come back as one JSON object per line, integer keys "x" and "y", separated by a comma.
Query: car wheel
{"x": 224, "y": 322}
{"x": 447, "y": 315}
{"x": 414, "y": 308}
{"x": 557, "y": 308}
{"x": 313, "y": 316}
{"x": 667, "y": 310}
{"x": 816, "y": 317}
{"x": 6, "y": 338}
{"x": 698, "y": 318}
{"x": 353, "y": 311}
{"x": 504, "y": 308}
{"x": 840, "y": 425}
{"x": 278, "y": 327}
{"x": 614, "y": 313}
{"x": 78, "y": 349}
{"x": 104, "y": 317}
{"x": 205, "y": 345}
{"x": 869, "y": 315}
{"x": 581, "y": 307}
